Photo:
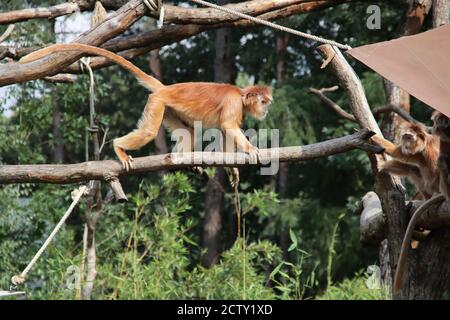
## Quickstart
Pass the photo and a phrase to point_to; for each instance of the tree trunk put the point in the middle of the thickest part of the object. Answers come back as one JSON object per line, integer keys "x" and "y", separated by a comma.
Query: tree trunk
{"x": 58, "y": 149}
{"x": 212, "y": 225}
{"x": 224, "y": 71}
{"x": 280, "y": 180}
{"x": 440, "y": 12}
{"x": 281, "y": 50}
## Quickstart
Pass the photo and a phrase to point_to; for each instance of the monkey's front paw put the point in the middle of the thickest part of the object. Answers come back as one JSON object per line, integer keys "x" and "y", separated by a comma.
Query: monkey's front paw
{"x": 254, "y": 155}
{"x": 197, "y": 170}
{"x": 127, "y": 162}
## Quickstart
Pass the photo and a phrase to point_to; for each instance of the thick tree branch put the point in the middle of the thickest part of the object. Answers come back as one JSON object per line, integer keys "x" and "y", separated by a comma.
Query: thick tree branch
{"x": 373, "y": 226}
{"x": 372, "y": 222}
{"x": 387, "y": 187}
{"x": 109, "y": 170}
{"x": 440, "y": 10}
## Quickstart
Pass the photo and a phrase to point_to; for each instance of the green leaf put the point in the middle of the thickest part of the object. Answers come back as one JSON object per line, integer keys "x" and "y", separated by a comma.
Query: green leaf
{"x": 293, "y": 238}
{"x": 275, "y": 271}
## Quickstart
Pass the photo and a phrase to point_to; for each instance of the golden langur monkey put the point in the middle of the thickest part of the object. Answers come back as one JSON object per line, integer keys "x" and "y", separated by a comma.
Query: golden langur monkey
{"x": 179, "y": 105}
{"x": 415, "y": 157}
{"x": 430, "y": 154}
{"x": 441, "y": 129}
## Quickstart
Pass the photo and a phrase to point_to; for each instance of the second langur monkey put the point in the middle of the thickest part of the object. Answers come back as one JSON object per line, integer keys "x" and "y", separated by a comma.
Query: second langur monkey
{"x": 416, "y": 157}
{"x": 441, "y": 129}
{"x": 179, "y": 105}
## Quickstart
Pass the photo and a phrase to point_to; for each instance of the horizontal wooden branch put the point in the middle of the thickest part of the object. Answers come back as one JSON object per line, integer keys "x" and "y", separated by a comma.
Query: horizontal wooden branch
{"x": 55, "y": 11}
{"x": 109, "y": 170}
{"x": 39, "y": 13}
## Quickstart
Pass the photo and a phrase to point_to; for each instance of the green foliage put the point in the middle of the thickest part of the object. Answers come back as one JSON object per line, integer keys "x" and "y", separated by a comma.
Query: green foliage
{"x": 355, "y": 289}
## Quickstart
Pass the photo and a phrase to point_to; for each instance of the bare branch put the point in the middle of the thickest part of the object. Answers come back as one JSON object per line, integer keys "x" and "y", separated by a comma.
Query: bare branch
{"x": 393, "y": 108}
{"x": 377, "y": 111}
{"x": 38, "y": 13}
{"x": 7, "y": 33}
{"x": 330, "y": 103}
{"x": 109, "y": 169}
{"x": 61, "y": 78}
{"x": 116, "y": 187}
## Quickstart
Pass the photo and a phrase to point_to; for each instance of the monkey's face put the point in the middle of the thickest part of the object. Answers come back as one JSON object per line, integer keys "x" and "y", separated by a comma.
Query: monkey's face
{"x": 412, "y": 142}
{"x": 262, "y": 106}
{"x": 257, "y": 101}
{"x": 441, "y": 126}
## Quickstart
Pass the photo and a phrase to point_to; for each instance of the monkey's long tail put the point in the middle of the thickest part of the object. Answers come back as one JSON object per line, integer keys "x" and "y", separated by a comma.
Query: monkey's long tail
{"x": 144, "y": 79}
{"x": 400, "y": 271}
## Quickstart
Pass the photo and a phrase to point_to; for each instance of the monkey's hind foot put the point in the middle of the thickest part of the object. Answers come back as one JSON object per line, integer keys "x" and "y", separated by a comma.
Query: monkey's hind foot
{"x": 234, "y": 179}
{"x": 127, "y": 162}
{"x": 197, "y": 170}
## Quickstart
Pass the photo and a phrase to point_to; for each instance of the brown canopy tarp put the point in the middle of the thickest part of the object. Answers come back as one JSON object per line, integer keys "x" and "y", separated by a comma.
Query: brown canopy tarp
{"x": 419, "y": 64}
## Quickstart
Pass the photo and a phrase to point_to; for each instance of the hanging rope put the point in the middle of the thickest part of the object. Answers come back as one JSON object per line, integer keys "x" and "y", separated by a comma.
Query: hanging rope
{"x": 156, "y": 7}
{"x": 273, "y": 25}
{"x": 76, "y": 196}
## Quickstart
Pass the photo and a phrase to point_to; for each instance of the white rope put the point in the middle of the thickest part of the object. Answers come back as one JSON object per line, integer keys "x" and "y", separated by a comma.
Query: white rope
{"x": 156, "y": 6}
{"x": 76, "y": 196}
{"x": 273, "y": 25}
{"x": 160, "y": 21}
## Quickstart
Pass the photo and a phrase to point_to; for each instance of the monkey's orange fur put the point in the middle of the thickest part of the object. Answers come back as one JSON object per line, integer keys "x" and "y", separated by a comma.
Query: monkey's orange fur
{"x": 441, "y": 132}
{"x": 415, "y": 158}
{"x": 179, "y": 105}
